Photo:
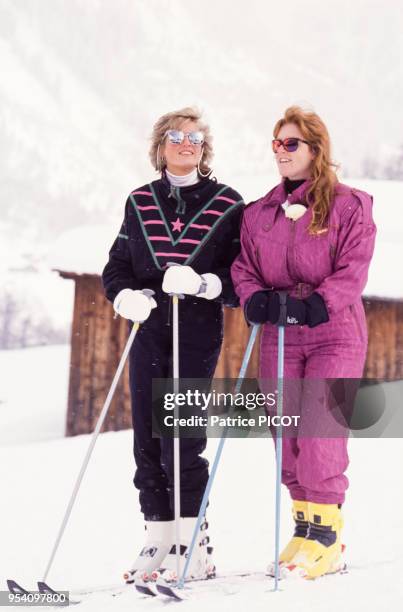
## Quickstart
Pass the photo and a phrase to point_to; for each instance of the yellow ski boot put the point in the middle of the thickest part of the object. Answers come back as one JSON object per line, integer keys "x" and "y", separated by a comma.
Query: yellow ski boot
{"x": 321, "y": 551}
{"x": 300, "y": 516}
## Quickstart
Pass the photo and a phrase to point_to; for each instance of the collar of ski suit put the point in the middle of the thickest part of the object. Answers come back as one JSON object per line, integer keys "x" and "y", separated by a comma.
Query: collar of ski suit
{"x": 179, "y": 193}
{"x": 278, "y": 195}
{"x": 184, "y": 180}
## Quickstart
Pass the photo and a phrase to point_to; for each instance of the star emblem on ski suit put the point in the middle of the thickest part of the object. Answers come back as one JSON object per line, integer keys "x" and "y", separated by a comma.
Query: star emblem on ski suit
{"x": 177, "y": 225}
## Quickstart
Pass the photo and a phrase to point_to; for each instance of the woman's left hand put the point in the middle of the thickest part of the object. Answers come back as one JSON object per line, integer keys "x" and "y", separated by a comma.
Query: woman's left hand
{"x": 184, "y": 280}
{"x": 181, "y": 280}
{"x": 296, "y": 310}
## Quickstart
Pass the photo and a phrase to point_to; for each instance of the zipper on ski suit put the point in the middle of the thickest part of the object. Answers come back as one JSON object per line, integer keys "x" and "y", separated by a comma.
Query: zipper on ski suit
{"x": 291, "y": 263}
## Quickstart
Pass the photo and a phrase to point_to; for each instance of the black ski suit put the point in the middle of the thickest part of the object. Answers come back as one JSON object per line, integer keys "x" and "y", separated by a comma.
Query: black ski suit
{"x": 198, "y": 226}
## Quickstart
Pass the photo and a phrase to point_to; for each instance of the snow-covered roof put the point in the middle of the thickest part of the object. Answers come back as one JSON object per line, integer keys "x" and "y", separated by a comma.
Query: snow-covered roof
{"x": 85, "y": 249}
{"x": 385, "y": 277}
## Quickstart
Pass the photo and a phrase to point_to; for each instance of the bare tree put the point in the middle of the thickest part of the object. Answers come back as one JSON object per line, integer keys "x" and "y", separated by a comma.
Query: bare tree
{"x": 8, "y": 315}
{"x": 394, "y": 168}
{"x": 20, "y": 328}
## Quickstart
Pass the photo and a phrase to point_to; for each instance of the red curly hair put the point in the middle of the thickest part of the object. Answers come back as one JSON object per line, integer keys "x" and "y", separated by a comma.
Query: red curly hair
{"x": 324, "y": 179}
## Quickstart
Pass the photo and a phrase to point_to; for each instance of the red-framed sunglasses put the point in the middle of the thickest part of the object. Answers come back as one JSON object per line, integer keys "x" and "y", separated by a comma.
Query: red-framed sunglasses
{"x": 289, "y": 144}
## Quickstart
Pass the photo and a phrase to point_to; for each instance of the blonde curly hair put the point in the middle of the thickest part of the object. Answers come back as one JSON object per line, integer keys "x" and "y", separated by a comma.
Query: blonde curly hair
{"x": 174, "y": 121}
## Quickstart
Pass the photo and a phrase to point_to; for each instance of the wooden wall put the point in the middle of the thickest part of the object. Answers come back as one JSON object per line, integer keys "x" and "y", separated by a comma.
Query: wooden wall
{"x": 385, "y": 338}
{"x": 97, "y": 342}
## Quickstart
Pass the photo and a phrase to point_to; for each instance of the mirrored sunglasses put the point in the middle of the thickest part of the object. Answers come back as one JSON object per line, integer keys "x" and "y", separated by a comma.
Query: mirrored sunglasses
{"x": 289, "y": 144}
{"x": 177, "y": 137}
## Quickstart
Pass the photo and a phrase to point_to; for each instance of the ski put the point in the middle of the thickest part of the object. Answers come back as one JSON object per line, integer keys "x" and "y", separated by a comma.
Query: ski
{"x": 292, "y": 571}
{"x": 164, "y": 588}
{"x": 225, "y": 582}
{"x": 145, "y": 588}
{"x": 43, "y": 589}
{"x": 113, "y": 591}
{"x": 16, "y": 589}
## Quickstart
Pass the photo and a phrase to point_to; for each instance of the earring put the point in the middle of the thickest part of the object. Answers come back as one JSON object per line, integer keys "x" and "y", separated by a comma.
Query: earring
{"x": 160, "y": 160}
{"x": 198, "y": 167}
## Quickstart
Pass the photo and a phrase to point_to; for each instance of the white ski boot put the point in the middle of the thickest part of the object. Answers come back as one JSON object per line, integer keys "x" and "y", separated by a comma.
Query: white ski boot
{"x": 201, "y": 566}
{"x": 160, "y": 535}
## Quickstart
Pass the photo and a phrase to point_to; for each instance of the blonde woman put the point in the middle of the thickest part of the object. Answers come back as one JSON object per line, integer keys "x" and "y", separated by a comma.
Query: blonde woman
{"x": 313, "y": 238}
{"x": 186, "y": 217}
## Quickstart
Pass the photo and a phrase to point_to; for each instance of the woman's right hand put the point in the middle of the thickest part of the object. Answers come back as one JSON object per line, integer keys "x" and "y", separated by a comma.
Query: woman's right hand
{"x": 264, "y": 306}
{"x": 135, "y": 305}
{"x": 257, "y": 307}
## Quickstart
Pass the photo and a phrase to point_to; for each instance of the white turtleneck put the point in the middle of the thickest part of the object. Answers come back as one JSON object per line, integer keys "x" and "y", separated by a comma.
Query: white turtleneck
{"x": 183, "y": 181}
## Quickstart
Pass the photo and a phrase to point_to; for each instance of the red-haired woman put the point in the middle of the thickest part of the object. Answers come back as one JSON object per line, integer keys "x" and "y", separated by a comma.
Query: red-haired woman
{"x": 313, "y": 238}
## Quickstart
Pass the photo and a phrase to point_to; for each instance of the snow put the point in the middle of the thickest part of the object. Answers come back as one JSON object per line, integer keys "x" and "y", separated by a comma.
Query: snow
{"x": 388, "y": 197}
{"x": 105, "y": 531}
{"x": 33, "y": 394}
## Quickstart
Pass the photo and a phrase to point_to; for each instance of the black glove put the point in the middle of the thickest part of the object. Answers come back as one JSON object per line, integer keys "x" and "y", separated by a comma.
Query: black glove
{"x": 316, "y": 311}
{"x": 256, "y": 307}
{"x": 264, "y": 306}
{"x": 296, "y": 310}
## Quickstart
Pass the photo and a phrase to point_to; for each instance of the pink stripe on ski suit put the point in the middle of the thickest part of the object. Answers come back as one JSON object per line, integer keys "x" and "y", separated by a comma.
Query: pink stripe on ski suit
{"x": 172, "y": 255}
{"x": 210, "y": 211}
{"x": 280, "y": 253}
{"x": 230, "y": 200}
{"x": 205, "y": 227}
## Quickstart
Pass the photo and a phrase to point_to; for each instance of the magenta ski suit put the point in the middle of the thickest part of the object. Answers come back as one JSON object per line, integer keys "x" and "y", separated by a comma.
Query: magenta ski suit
{"x": 280, "y": 253}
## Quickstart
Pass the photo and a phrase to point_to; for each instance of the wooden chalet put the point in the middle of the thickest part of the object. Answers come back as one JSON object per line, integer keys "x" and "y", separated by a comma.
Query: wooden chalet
{"x": 98, "y": 339}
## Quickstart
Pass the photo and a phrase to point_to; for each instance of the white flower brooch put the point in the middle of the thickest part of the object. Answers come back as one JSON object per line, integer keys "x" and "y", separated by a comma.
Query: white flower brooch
{"x": 295, "y": 211}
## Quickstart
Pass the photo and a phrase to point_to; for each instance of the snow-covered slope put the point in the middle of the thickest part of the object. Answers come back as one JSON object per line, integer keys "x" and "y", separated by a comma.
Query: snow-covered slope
{"x": 33, "y": 394}
{"x": 106, "y": 530}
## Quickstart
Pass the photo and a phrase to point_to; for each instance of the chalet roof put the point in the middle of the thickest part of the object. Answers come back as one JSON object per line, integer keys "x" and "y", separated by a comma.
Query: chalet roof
{"x": 83, "y": 250}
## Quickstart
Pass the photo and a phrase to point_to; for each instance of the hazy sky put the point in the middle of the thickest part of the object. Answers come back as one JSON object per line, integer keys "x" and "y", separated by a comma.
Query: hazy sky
{"x": 84, "y": 80}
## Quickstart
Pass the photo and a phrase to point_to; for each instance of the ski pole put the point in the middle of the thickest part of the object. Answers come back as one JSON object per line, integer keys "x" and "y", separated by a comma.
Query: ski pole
{"x": 177, "y": 475}
{"x": 97, "y": 429}
{"x": 279, "y": 435}
{"x": 279, "y": 452}
{"x": 217, "y": 457}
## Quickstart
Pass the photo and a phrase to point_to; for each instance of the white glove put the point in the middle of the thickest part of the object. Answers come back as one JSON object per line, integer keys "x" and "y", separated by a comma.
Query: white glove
{"x": 212, "y": 286}
{"x": 181, "y": 279}
{"x": 134, "y": 305}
